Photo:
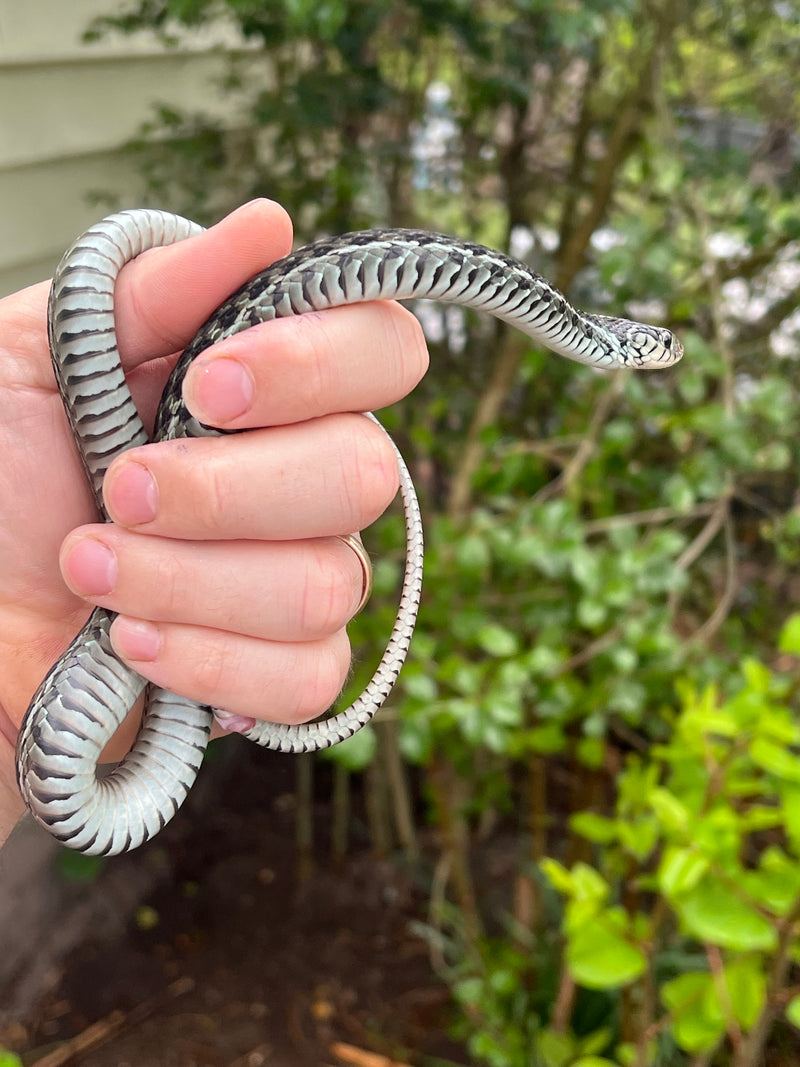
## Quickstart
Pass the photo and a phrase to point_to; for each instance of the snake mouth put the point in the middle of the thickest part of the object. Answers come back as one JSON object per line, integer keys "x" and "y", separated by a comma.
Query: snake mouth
{"x": 674, "y": 353}
{"x": 668, "y": 353}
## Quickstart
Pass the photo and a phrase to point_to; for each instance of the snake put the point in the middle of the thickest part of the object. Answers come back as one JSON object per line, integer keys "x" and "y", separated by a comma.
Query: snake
{"x": 89, "y": 691}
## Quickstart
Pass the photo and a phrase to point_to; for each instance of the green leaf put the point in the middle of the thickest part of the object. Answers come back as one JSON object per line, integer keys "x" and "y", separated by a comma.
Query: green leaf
{"x": 590, "y": 752}
{"x": 594, "y": 827}
{"x": 587, "y": 568}
{"x": 775, "y": 885}
{"x": 419, "y": 685}
{"x": 789, "y": 640}
{"x": 628, "y": 1054}
{"x": 760, "y": 817}
{"x": 591, "y": 612}
{"x": 712, "y": 913}
{"x": 588, "y": 883}
{"x": 697, "y": 1023}
{"x": 555, "y": 1049}
{"x": 357, "y": 751}
{"x": 790, "y": 806}
{"x": 472, "y": 553}
{"x": 672, "y": 814}
{"x": 776, "y": 759}
{"x": 8, "y": 1059}
{"x": 599, "y": 956}
{"x": 593, "y": 1061}
{"x": 747, "y": 990}
{"x": 498, "y": 641}
{"x": 793, "y": 1011}
{"x": 558, "y": 875}
{"x": 640, "y": 837}
{"x": 680, "y": 870}
{"x": 546, "y": 740}
{"x": 756, "y": 675}
{"x": 593, "y": 1043}
{"x": 679, "y": 493}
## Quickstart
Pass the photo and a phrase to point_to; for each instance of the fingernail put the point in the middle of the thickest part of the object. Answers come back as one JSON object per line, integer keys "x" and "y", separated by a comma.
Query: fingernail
{"x": 235, "y": 724}
{"x": 135, "y": 639}
{"x": 132, "y": 496}
{"x": 90, "y": 567}
{"x": 220, "y": 390}
{"x": 244, "y": 207}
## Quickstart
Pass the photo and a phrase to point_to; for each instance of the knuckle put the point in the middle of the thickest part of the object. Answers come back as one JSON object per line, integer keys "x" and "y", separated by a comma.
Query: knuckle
{"x": 325, "y": 675}
{"x": 371, "y": 472}
{"x": 168, "y": 586}
{"x": 211, "y": 669}
{"x": 314, "y": 354}
{"x": 407, "y": 338}
{"x": 328, "y": 595}
{"x": 211, "y": 496}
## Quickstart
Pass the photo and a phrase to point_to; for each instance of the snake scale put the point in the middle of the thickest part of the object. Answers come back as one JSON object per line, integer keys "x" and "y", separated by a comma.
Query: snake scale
{"x": 88, "y": 692}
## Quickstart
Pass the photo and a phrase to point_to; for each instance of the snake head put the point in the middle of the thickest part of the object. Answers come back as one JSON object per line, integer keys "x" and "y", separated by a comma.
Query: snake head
{"x": 654, "y": 347}
{"x": 639, "y": 345}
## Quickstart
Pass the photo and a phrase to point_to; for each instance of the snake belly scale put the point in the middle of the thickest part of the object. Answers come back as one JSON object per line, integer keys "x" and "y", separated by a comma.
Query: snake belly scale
{"x": 89, "y": 691}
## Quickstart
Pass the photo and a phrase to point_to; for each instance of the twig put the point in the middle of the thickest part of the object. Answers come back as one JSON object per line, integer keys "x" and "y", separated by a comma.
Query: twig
{"x": 564, "y": 481}
{"x": 648, "y": 517}
{"x": 565, "y": 1000}
{"x": 104, "y": 1029}
{"x": 488, "y": 408}
{"x": 96, "y": 1034}
{"x": 437, "y": 897}
{"x": 753, "y": 1045}
{"x": 720, "y": 612}
{"x": 398, "y": 783}
{"x": 594, "y": 648}
{"x": 695, "y": 548}
{"x": 360, "y": 1057}
{"x": 717, "y": 968}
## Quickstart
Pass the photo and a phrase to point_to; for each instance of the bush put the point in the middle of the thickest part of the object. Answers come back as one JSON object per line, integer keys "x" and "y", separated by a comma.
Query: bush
{"x": 679, "y": 942}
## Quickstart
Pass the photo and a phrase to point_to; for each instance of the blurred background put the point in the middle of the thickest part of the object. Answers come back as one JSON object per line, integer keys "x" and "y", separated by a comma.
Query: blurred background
{"x": 573, "y": 838}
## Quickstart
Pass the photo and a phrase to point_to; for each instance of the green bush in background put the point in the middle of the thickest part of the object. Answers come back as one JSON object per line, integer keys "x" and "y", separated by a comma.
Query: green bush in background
{"x": 683, "y": 931}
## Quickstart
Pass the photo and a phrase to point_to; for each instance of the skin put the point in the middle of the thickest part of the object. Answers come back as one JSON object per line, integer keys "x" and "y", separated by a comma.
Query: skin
{"x": 222, "y": 559}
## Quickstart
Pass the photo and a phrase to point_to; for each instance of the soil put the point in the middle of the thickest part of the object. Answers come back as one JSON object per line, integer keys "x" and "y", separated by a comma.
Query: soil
{"x": 208, "y": 946}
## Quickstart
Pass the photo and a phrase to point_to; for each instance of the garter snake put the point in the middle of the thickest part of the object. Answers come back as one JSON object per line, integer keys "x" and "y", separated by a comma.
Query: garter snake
{"x": 88, "y": 692}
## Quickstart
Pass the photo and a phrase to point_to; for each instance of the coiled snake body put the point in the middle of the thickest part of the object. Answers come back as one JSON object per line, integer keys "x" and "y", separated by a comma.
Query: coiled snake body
{"x": 88, "y": 692}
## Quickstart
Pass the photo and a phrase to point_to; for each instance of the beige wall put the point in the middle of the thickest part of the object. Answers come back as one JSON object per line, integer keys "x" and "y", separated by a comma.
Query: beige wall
{"x": 66, "y": 108}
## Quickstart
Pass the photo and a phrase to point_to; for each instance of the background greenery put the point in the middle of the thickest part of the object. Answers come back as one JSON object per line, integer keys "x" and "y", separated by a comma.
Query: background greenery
{"x": 601, "y": 680}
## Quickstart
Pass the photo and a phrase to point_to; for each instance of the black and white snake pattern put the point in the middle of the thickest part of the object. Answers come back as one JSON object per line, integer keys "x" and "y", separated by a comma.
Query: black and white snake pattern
{"x": 89, "y": 691}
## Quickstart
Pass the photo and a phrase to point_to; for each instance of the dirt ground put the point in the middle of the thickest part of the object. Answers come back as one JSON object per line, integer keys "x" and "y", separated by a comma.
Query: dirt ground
{"x": 206, "y": 948}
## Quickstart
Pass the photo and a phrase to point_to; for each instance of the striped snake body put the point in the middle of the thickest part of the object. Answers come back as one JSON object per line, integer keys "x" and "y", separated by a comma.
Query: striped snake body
{"x": 89, "y": 691}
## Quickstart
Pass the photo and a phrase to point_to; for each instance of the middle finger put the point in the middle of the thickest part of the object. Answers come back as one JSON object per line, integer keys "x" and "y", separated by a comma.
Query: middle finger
{"x": 328, "y": 476}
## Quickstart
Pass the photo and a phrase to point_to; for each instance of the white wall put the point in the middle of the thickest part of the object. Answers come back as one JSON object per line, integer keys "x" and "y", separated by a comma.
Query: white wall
{"x": 66, "y": 108}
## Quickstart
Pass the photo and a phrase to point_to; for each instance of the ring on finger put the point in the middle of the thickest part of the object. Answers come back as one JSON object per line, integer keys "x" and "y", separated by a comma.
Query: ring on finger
{"x": 354, "y": 542}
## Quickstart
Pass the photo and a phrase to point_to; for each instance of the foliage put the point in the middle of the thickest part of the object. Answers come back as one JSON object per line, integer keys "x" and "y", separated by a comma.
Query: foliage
{"x": 685, "y": 926}
{"x": 590, "y": 539}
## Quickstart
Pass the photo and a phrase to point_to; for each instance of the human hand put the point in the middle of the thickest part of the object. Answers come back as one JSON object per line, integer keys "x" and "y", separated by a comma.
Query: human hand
{"x": 236, "y": 591}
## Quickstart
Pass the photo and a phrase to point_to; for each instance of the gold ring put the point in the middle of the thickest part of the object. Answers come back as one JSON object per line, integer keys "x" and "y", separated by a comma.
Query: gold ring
{"x": 354, "y": 542}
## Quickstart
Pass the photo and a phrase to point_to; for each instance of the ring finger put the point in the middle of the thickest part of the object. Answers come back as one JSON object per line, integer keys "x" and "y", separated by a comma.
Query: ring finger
{"x": 279, "y": 591}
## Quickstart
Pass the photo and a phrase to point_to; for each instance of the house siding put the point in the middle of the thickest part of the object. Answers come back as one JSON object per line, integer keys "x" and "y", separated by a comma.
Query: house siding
{"x": 67, "y": 108}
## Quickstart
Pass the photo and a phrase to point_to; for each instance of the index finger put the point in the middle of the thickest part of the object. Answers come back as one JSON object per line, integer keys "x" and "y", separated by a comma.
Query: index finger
{"x": 164, "y": 295}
